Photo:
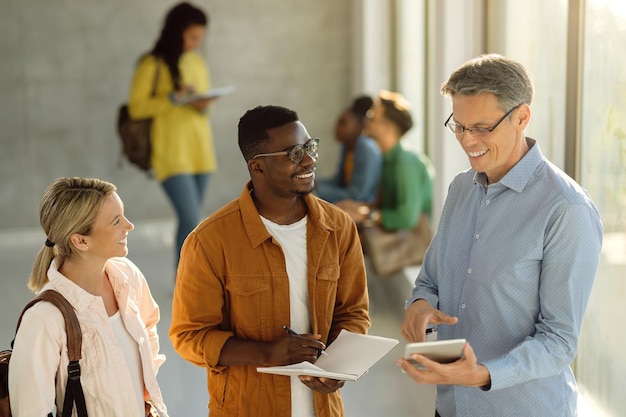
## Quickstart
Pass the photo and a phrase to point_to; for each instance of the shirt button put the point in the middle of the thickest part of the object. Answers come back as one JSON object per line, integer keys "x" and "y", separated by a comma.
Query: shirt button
{"x": 141, "y": 340}
{"x": 462, "y": 305}
{"x": 469, "y": 270}
{"x": 477, "y": 236}
{"x": 487, "y": 202}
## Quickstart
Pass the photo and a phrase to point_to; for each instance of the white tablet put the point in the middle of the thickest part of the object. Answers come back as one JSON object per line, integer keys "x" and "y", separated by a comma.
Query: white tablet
{"x": 442, "y": 351}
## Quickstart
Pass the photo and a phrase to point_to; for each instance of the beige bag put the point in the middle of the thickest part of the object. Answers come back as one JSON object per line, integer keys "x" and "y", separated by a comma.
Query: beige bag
{"x": 390, "y": 252}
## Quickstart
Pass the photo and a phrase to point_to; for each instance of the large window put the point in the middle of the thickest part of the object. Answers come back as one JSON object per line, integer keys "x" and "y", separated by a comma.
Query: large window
{"x": 575, "y": 50}
{"x": 535, "y": 32}
{"x": 601, "y": 364}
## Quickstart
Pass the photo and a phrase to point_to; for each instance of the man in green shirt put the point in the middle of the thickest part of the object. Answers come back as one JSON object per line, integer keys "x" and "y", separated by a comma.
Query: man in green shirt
{"x": 406, "y": 183}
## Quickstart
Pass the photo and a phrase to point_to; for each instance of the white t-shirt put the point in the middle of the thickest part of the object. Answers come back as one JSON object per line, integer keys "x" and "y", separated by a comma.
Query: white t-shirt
{"x": 131, "y": 353}
{"x": 292, "y": 239}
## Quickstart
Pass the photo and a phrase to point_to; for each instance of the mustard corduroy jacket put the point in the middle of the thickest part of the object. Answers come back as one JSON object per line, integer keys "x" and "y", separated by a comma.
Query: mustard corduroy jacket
{"x": 232, "y": 281}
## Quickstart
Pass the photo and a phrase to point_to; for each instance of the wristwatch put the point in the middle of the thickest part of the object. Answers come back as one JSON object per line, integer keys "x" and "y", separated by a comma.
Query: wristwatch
{"x": 373, "y": 215}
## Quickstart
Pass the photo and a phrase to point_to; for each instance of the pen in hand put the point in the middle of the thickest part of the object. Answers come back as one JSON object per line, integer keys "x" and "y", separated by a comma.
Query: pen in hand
{"x": 291, "y": 332}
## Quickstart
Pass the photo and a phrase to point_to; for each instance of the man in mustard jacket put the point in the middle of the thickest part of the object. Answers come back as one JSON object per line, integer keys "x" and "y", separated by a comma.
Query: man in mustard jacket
{"x": 276, "y": 256}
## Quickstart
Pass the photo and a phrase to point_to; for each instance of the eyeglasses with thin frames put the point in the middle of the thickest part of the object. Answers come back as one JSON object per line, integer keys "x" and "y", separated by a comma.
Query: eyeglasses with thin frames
{"x": 459, "y": 130}
{"x": 296, "y": 153}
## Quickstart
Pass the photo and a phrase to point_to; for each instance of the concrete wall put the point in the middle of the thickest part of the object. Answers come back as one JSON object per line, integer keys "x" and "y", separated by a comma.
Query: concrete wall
{"x": 65, "y": 66}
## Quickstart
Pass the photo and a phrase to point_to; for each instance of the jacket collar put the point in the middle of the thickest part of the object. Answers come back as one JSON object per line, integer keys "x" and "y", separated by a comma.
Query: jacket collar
{"x": 77, "y": 296}
{"x": 256, "y": 230}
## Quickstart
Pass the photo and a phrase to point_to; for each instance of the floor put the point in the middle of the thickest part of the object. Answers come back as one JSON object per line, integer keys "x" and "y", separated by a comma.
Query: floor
{"x": 382, "y": 391}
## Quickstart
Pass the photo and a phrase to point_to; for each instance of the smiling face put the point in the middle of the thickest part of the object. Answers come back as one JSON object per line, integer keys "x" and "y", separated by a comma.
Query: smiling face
{"x": 108, "y": 237}
{"x": 496, "y": 152}
{"x": 281, "y": 176}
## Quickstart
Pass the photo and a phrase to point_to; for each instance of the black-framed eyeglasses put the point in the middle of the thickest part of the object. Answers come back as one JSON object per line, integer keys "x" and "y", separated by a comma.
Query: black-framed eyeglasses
{"x": 296, "y": 153}
{"x": 458, "y": 129}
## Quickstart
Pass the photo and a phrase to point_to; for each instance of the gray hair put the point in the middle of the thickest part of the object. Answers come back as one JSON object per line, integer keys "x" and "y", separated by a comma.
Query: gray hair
{"x": 508, "y": 80}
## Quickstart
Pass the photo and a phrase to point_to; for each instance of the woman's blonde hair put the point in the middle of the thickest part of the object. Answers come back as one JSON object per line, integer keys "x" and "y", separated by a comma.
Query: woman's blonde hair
{"x": 68, "y": 206}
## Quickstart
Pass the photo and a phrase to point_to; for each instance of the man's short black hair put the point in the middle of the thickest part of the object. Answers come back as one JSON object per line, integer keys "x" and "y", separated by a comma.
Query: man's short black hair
{"x": 253, "y": 127}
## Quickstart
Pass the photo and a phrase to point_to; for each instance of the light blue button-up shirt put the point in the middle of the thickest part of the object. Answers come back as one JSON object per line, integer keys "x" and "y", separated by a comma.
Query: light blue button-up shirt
{"x": 515, "y": 261}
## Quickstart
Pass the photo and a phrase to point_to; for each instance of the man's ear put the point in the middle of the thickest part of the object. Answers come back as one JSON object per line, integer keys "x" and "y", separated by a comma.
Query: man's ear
{"x": 255, "y": 166}
{"x": 523, "y": 116}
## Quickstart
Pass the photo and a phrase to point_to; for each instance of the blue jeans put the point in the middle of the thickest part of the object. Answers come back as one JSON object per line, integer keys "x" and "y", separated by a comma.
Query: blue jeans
{"x": 186, "y": 193}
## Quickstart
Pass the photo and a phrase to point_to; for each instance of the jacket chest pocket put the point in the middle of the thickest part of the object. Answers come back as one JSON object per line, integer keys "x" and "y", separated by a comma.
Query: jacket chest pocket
{"x": 326, "y": 282}
{"x": 249, "y": 298}
{"x": 93, "y": 343}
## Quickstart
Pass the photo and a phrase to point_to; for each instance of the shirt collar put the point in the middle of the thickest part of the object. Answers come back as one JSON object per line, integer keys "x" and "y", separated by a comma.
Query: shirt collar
{"x": 518, "y": 176}
{"x": 391, "y": 154}
{"x": 76, "y": 295}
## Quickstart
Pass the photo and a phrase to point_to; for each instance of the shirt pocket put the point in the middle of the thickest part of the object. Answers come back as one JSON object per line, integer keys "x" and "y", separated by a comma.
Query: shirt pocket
{"x": 93, "y": 349}
{"x": 94, "y": 364}
{"x": 249, "y": 298}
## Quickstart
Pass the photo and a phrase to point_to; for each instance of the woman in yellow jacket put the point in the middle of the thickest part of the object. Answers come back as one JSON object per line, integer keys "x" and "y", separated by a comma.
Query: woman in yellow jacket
{"x": 183, "y": 155}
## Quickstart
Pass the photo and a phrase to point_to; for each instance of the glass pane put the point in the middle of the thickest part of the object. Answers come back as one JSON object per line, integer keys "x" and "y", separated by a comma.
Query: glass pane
{"x": 601, "y": 363}
{"x": 534, "y": 32}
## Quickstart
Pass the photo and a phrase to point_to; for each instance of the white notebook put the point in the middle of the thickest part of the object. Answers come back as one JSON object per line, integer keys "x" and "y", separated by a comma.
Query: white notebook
{"x": 349, "y": 357}
{"x": 213, "y": 93}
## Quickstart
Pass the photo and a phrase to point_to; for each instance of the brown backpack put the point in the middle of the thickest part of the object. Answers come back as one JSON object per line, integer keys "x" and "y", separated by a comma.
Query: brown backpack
{"x": 73, "y": 390}
{"x": 135, "y": 134}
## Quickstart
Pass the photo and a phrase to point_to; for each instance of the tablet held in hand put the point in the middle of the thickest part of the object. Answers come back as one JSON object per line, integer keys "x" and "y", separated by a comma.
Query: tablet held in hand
{"x": 442, "y": 351}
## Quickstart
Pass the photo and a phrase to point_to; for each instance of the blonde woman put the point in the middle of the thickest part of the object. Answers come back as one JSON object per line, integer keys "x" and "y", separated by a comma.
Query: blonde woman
{"x": 84, "y": 259}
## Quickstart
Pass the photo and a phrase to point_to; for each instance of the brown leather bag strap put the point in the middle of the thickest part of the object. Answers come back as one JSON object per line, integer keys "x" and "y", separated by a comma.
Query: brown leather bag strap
{"x": 72, "y": 326}
{"x": 73, "y": 389}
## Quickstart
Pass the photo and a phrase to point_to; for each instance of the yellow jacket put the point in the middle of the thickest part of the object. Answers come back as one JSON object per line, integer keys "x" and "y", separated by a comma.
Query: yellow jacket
{"x": 232, "y": 281}
{"x": 182, "y": 141}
